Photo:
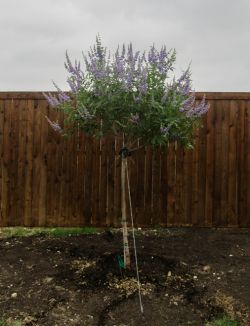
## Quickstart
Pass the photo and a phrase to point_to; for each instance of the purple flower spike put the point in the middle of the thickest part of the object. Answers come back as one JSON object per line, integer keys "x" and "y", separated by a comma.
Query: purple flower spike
{"x": 135, "y": 118}
{"x": 72, "y": 85}
{"x": 68, "y": 65}
{"x": 55, "y": 126}
{"x": 53, "y": 101}
{"x": 183, "y": 84}
{"x": 62, "y": 96}
{"x": 76, "y": 73}
{"x": 164, "y": 130}
{"x": 85, "y": 114}
{"x": 152, "y": 56}
{"x": 202, "y": 108}
{"x": 188, "y": 103}
{"x": 198, "y": 110}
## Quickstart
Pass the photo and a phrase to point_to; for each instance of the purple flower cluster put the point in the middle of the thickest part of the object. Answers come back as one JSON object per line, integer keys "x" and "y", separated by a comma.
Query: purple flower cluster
{"x": 188, "y": 103}
{"x": 131, "y": 69}
{"x": 55, "y": 101}
{"x": 119, "y": 63}
{"x": 161, "y": 60}
{"x": 200, "y": 109}
{"x": 55, "y": 126}
{"x": 97, "y": 63}
{"x": 143, "y": 81}
{"x": 127, "y": 67}
{"x": 183, "y": 84}
{"x": 137, "y": 98}
{"x": 188, "y": 106}
{"x": 52, "y": 100}
{"x": 135, "y": 118}
{"x": 85, "y": 114}
{"x": 164, "y": 130}
{"x": 76, "y": 79}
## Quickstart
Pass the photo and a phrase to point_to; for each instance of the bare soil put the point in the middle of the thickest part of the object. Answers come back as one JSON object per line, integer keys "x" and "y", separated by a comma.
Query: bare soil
{"x": 188, "y": 276}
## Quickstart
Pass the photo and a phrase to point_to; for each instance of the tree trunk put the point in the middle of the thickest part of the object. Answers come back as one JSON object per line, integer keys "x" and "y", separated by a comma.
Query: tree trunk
{"x": 124, "y": 218}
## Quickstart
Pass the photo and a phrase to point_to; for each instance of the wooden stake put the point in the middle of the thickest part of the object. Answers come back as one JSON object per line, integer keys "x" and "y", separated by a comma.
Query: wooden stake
{"x": 124, "y": 219}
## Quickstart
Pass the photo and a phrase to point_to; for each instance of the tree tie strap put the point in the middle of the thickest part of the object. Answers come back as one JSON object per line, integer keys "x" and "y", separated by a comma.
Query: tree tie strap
{"x": 125, "y": 152}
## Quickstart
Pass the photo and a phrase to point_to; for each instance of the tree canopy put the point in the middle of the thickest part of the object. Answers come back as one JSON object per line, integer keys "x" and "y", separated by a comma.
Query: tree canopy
{"x": 129, "y": 93}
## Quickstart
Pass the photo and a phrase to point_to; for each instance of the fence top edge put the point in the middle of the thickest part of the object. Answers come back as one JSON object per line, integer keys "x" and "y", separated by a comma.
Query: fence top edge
{"x": 209, "y": 95}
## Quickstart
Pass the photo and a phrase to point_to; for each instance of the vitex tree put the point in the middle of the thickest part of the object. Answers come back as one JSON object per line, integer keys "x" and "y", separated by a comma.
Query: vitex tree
{"x": 130, "y": 95}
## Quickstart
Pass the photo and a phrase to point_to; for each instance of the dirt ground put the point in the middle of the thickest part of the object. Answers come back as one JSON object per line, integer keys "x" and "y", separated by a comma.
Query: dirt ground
{"x": 188, "y": 276}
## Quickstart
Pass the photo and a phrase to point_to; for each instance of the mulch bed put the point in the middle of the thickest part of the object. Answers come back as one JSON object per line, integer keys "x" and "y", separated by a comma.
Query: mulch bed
{"x": 188, "y": 276}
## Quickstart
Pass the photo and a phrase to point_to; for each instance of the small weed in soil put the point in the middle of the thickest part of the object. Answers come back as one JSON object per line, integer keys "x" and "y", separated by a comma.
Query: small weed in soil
{"x": 56, "y": 232}
{"x": 3, "y": 322}
{"x": 225, "y": 321}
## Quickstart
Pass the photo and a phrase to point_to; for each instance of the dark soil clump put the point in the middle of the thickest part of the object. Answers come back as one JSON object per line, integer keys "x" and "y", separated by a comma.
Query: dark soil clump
{"x": 188, "y": 277}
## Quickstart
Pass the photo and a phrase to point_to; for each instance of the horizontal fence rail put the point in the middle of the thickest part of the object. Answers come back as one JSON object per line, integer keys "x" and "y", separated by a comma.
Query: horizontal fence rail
{"x": 48, "y": 180}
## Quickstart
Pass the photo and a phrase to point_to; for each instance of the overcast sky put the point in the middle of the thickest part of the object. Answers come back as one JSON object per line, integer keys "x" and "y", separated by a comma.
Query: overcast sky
{"x": 214, "y": 35}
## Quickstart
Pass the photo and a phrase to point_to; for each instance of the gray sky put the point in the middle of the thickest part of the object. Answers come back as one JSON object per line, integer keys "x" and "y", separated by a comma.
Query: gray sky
{"x": 213, "y": 34}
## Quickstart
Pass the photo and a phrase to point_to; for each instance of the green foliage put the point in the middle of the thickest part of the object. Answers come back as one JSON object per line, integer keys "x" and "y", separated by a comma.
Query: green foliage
{"x": 225, "y": 321}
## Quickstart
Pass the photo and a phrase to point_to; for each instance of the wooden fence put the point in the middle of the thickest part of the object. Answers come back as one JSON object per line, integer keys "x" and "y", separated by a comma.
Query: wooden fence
{"x": 47, "y": 180}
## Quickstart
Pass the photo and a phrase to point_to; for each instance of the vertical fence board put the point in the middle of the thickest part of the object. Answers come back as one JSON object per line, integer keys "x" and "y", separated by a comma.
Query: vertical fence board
{"x": 21, "y": 164}
{"x": 210, "y": 143}
{"x": 72, "y": 174}
{"x": 6, "y": 220}
{"x": 132, "y": 162}
{"x": 247, "y": 165}
{"x": 81, "y": 178}
{"x": 242, "y": 186}
{"x": 29, "y": 164}
{"x": 117, "y": 186}
{"x": 59, "y": 171}
{"x": 224, "y": 162}
{"x": 95, "y": 181}
{"x": 148, "y": 187}
{"x": 140, "y": 185}
{"x": 103, "y": 184}
{"x": 43, "y": 108}
{"x": 186, "y": 188}
{"x": 111, "y": 162}
{"x": 201, "y": 173}
{"x": 36, "y": 157}
{"x": 9, "y": 165}
{"x": 179, "y": 208}
{"x": 164, "y": 187}
{"x": 195, "y": 182}
{"x": 51, "y": 166}
{"x": 88, "y": 181}
{"x": 12, "y": 166}
{"x": 217, "y": 213}
{"x": 171, "y": 175}
{"x": 232, "y": 164}
{"x": 64, "y": 184}
{"x": 1, "y": 159}
{"x": 156, "y": 169}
